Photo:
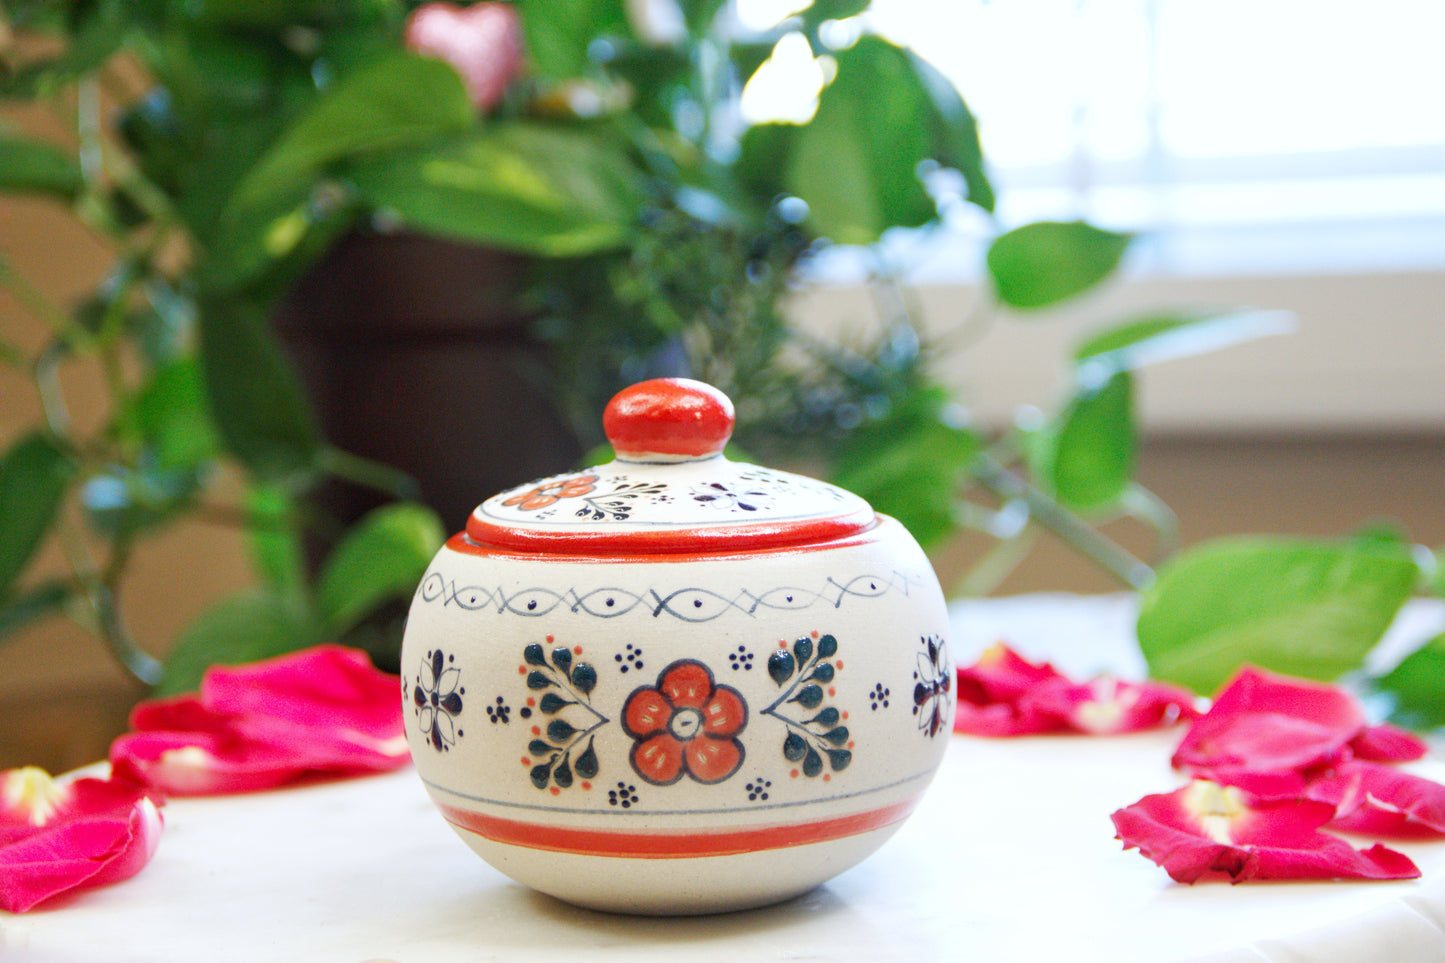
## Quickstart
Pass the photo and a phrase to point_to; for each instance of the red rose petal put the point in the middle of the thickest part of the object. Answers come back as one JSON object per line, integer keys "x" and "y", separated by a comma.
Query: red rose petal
{"x": 323, "y": 710}
{"x": 58, "y": 838}
{"x": 1002, "y": 675}
{"x": 1004, "y": 694}
{"x": 1004, "y": 719}
{"x": 1387, "y": 743}
{"x": 1381, "y": 800}
{"x": 1106, "y": 705}
{"x": 1264, "y": 722}
{"x": 1204, "y": 831}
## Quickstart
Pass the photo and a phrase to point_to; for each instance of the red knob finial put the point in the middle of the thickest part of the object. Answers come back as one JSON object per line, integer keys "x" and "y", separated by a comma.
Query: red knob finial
{"x": 670, "y": 419}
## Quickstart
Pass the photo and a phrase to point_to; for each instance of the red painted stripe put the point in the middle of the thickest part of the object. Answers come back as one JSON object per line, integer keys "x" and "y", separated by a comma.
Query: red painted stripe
{"x": 672, "y": 542}
{"x": 662, "y": 844}
{"x": 464, "y": 543}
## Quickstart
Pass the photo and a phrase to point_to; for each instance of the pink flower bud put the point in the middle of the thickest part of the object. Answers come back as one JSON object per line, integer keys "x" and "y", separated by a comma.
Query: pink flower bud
{"x": 482, "y": 42}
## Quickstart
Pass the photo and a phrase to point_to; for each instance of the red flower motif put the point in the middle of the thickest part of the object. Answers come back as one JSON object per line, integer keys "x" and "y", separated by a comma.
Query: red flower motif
{"x": 544, "y": 495}
{"x": 1208, "y": 831}
{"x": 58, "y": 837}
{"x": 322, "y": 710}
{"x": 1004, "y": 694}
{"x": 686, "y": 724}
{"x": 483, "y": 42}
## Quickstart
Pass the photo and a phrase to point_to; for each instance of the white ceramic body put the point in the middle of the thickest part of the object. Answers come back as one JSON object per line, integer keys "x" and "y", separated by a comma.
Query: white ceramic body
{"x": 593, "y": 810}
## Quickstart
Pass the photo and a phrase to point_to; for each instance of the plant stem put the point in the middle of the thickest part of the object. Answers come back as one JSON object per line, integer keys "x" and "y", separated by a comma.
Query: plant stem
{"x": 1071, "y": 529}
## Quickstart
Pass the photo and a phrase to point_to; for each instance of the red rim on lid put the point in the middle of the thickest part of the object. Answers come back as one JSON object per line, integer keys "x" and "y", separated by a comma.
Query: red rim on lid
{"x": 670, "y": 490}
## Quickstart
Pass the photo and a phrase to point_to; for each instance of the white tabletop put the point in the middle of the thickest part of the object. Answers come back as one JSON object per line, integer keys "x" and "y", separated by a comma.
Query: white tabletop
{"x": 1011, "y": 856}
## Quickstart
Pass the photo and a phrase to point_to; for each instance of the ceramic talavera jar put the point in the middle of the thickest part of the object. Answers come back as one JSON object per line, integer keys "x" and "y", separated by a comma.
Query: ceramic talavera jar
{"x": 675, "y": 683}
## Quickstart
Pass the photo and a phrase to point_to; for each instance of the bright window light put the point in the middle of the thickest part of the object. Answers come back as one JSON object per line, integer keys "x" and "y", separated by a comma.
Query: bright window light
{"x": 1239, "y": 135}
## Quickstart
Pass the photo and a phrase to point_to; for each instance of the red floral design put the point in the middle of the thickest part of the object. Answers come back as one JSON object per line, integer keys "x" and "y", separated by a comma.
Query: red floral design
{"x": 58, "y": 837}
{"x": 322, "y": 710}
{"x": 1004, "y": 694}
{"x": 686, "y": 724}
{"x": 1208, "y": 831}
{"x": 544, "y": 495}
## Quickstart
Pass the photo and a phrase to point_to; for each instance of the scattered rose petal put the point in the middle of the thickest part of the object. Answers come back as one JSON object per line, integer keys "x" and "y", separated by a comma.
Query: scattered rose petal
{"x": 1380, "y": 800}
{"x": 1002, "y": 675}
{"x": 483, "y": 42}
{"x": 1004, "y": 694}
{"x": 58, "y": 837}
{"x": 325, "y": 710}
{"x": 1387, "y": 743}
{"x": 991, "y": 695}
{"x": 1106, "y": 706}
{"x": 1205, "y": 831}
{"x": 1262, "y": 722}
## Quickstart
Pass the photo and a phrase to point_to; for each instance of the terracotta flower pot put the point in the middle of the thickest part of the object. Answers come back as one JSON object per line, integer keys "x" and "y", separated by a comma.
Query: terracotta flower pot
{"x": 415, "y": 354}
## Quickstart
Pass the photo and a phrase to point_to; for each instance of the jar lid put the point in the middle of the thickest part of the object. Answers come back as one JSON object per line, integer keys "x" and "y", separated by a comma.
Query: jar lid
{"x": 670, "y": 490}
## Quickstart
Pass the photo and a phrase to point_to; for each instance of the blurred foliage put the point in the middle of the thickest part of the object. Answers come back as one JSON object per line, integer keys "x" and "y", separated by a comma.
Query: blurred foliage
{"x": 223, "y": 148}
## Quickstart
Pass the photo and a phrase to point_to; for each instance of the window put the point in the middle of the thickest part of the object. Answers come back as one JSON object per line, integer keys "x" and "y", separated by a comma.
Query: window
{"x": 1242, "y": 136}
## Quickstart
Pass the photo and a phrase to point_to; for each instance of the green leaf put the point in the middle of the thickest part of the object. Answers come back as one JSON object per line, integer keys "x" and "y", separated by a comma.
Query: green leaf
{"x": 763, "y": 157}
{"x": 1090, "y": 456}
{"x": 262, "y": 13}
{"x": 523, "y": 187}
{"x": 856, "y": 162}
{"x": 35, "y": 166}
{"x": 824, "y": 10}
{"x": 1047, "y": 262}
{"x": 955, "y": 132}
{"x": 253, "y": 394}
{"x": 243, "y": 628}
{"x": 384, "y": 556}
{"x": 560, "y": 33}
{"x": 172, "y": 416}
{"x": 33, "y": 478}
{"x": 401, "y": 100}
{"x": 1303, "y": 608}
{"x": 700, "y": 14}
{"x": 1165, "y": 337}
{"x": 910, "y": 462}
{"x": 121, "y": 501}
{"x": 274, "y": 538}
{"x": 1418, "y": 686}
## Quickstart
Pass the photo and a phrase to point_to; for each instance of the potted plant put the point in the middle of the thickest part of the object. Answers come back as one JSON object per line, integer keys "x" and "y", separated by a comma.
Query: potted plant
{"x": 584, "y": 176}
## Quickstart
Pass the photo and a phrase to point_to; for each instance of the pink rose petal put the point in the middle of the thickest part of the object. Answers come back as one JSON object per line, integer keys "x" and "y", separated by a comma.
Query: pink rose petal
{"x": 1004, "y": 719}
{"x": 1105, "y": 705}
{"x": 1387, "y": 743}
{"x": 1205, "y": 831}
{"x": 1004, "y": 694}
{"x": 1380, "y": 800}
{"x": 57, "y": 838}
{"x": 483, "y": 42}
{"x": 325, "y": 710}
{"x": 1002, "y": 675}
{"x": 1263, "y": 722}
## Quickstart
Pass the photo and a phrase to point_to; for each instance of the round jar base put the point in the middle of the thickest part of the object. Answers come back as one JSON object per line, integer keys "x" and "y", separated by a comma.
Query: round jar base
{"x": 689, "y": 886}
